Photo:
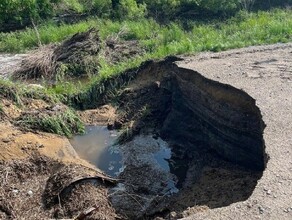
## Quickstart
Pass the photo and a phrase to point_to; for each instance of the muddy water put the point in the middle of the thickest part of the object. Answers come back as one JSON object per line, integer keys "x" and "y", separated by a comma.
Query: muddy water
{"x": 97, "y": 146}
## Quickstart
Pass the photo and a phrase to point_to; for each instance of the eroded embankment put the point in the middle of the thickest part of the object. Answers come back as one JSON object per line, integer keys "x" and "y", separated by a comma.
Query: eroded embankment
{"x": 215, "y": 132}
{"x": 217, "y": 116}
{"x": 187, "y": 107}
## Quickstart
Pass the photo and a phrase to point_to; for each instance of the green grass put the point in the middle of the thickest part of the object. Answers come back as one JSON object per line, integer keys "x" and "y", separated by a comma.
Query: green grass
{"x": 64, "y": 123}
{"x": 16, "y": 91}
{"x": 242, "y": 30}
{"x": 245, "y": 29}
{"x": 10, "y": 91}
{"x": 1, "y": 108}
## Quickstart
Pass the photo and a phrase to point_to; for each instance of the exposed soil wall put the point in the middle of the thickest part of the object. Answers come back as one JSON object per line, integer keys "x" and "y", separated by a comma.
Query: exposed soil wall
{"x": 189, "y": 110}
{"x": 212, "y": 128}
{"x": 217, "y": 116}
{"x": 264, "y": 72}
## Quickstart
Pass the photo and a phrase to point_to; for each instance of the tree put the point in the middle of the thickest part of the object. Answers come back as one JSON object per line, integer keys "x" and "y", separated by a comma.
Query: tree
{"x": 130, "y": 9}
{"x": 22, "y": 11}
{"x": 115, "y": 4}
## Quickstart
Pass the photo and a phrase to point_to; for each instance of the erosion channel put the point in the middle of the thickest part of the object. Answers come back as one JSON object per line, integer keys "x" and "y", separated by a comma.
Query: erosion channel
{"x": 184, "y": 140}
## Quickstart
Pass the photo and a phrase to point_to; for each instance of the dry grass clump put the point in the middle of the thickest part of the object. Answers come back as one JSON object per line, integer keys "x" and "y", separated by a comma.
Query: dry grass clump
{"x": 40, "y": 63}
{"x": 75, "y": 56}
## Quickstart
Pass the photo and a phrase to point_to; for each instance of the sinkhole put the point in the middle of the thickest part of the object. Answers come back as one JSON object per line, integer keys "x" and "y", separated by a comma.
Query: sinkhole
{"x": 190, "y": 141}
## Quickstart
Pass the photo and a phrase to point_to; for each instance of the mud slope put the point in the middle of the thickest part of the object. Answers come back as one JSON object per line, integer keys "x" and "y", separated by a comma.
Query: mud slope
{"x": 265, "y": 73}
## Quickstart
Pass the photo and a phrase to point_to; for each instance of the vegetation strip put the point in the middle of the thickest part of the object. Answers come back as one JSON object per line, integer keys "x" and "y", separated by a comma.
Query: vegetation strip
{"x": 153, "y": 38}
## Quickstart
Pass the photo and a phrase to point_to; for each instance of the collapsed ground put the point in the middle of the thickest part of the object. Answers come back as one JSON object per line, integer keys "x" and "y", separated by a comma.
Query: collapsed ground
{"x": 153, "y": 99}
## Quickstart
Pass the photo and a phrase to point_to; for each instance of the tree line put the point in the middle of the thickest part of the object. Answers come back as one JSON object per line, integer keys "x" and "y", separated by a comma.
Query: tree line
{"x": 22, "y": 12}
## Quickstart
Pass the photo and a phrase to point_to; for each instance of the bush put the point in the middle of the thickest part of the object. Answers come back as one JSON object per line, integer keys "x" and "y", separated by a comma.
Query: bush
{"x": 101, "y": 8}
{"x": 220, "y": 7}
{"x": 130, "y": 9}
{"x": 22, "y": 11}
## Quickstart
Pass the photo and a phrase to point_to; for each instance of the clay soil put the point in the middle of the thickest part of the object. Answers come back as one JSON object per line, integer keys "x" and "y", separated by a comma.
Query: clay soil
{"x": 29, "y": 161}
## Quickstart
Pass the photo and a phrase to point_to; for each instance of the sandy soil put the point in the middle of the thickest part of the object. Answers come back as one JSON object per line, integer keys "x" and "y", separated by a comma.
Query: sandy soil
{"x": 265, "y": 73}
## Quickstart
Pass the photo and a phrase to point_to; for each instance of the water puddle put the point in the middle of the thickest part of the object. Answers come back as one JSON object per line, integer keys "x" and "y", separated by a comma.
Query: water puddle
{"x": 162, "y": 157}
{"x": 97, "y": 147}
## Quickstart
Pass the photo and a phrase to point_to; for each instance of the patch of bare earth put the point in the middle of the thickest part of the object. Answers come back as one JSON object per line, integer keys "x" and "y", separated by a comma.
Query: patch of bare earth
{"x": 36, "y": 167}
{"x": 104, "y": 115}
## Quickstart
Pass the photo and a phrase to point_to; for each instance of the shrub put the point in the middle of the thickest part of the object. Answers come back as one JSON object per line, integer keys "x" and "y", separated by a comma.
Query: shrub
{"x": 101, "y": 8}
{"x": 130, "y": 9}
{"x": 22, "y": 11}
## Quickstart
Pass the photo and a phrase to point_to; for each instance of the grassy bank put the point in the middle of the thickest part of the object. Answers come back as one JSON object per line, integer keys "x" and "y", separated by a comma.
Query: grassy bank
{"x": 242, "y": 30}
{"x": 53, "y": 117}
{"x": 245, "y": 29}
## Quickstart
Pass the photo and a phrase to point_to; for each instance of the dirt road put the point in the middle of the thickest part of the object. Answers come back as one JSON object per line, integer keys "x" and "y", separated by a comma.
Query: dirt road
{"x": 265, "y": 73}
{"x": 9, "y": 63}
